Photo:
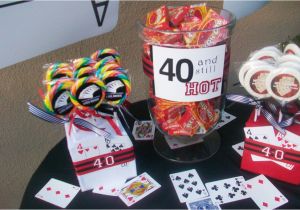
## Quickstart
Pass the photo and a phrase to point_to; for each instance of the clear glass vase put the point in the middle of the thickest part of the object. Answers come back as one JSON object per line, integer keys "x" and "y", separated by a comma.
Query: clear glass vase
{"x": 188, "y": 72}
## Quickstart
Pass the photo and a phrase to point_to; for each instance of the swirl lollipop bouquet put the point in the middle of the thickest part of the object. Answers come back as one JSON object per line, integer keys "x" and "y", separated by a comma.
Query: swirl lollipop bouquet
{"x": 271, "y": 76}
{"x": 84, "y": 95}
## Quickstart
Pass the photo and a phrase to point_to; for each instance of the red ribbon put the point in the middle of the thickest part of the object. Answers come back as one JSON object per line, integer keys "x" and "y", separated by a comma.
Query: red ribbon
{"x": 91, "y": 113}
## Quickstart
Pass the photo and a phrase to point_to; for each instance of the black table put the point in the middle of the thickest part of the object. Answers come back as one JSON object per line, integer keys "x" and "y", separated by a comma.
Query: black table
{"x": 224, "y": 164}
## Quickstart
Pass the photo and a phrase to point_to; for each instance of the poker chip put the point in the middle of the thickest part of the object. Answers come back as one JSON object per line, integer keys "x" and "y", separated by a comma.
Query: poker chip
{"x": 292, "y": 49}
{"x": 246, "y": 67}
{"x": 269, "y": 55}
{"x": 283, "y": 84}
{"x": 255, "y": 81}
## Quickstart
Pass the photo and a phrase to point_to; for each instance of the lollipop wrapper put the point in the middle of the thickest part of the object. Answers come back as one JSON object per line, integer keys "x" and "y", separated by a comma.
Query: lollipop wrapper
{"x": 205, "y": 38}
{"x": 271, "y": 149}
{"x": 98, "y": 160}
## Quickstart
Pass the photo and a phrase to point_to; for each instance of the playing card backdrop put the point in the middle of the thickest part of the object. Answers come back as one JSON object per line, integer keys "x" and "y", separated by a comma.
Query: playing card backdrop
{"x": 268, "y": 152}
{"x": 98, "y": 160}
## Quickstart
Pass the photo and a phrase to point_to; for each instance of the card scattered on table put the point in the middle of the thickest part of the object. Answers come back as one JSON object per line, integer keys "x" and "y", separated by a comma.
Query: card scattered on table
{"x": 225, "y": 118}
{"x": 202, "y": 204}
{"x": 143, "y": 130}
{"x": 264, "y": 193}
{"x": 111, "y": 189}
{"x": 175, "y": 143}
{"x": 239, "y": 148}
{"x": 227, "y": 190}
{"x": 58, "y": 193}
{"x": 137, "y": 189}
{"x": 188, "y": 185}
{"x": 264, "y": 134}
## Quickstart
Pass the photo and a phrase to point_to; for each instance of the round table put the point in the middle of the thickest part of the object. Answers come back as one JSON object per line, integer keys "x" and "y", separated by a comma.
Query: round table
{"x": 224, "y": 164}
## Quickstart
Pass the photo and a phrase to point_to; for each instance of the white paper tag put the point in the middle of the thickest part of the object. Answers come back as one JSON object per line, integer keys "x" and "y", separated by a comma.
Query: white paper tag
{"x": 113, "y": 86}
{"x": 188, "y": 75}
{"x": 62, "y": 100}
{"x": 88, "y": 92}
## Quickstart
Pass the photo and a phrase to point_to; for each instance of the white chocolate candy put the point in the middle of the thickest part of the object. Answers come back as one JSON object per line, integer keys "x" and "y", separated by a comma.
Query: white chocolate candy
{"x": 269, "y": 54}
{"x": 290, "y": 64}
{"x": 255, "y": 81}
{"x": 289, "y": 57}
{"x": 292, "y": 49}
{"x": 248, "y": 66}
{"x": 272, "y": 48}
{"x": 283, "y": 84}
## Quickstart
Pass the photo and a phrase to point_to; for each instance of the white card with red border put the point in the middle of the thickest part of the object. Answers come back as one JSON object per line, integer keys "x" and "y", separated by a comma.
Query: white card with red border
{"x": 111, "y": 189}
{"x": 264, "y": 193}
{"x": 58, "y": 193}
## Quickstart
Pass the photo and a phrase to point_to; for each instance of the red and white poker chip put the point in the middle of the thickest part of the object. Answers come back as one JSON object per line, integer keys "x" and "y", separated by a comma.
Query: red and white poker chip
{"x": 283, "y": 84}
{"x": 292, "y": 49}
{"x": 255, "y": 81}
{"x": 247, "y": 67}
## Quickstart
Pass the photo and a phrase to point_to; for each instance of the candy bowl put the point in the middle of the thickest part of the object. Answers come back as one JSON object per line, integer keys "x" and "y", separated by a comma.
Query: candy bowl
{"x": 186, "y": 53}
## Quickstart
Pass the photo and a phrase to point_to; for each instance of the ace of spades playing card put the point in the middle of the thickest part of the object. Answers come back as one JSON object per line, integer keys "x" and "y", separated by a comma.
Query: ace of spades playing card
{"x": 227, "y": 190}
{"x": 188, "y": 185}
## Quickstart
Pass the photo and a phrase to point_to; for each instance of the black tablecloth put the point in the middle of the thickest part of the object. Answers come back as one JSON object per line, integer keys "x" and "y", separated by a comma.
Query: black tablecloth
{"x": 224, "y": 164}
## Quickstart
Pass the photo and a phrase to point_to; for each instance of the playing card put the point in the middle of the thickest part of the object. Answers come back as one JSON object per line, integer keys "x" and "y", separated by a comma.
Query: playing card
{"x": 143, "y": 130}
{"x": 188, "y": 185}
{"x": 282, "y": 164}
{"x": 288, "y": 141}
{"x": 88, "y": 151}
{"x": 227, "y": 190}
{"x": 111, "y": 189}
{"x": 175, "y": 143}
{"x": 225, "y": 118}
{"x": 264, "y": 134}
{"x": 264, "y": 193}
{"x": 202, "y": 204}
{"x": 58, "y": 193}
{"x": 239, "y": 148}
{"x": 137, "y": 189}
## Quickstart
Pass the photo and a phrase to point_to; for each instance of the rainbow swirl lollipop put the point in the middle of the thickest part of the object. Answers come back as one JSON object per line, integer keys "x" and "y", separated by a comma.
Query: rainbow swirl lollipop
{"x": 57, "y": 99}
{"x": 105, "y": 53}
{"x": 83, "y": 62}
{"x": 57, "y": 71}
{"x": 84, "y": 72}
{"x": 104, "y": 62}
{"x": 118, "y": 86}
{"x": 88, "y": 93}
{"x": 109, "y": 67}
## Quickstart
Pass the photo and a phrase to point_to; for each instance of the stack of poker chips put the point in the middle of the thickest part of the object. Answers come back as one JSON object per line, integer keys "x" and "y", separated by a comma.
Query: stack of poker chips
{"x": 272, "y": 73}
{"x": 86, "y": 83}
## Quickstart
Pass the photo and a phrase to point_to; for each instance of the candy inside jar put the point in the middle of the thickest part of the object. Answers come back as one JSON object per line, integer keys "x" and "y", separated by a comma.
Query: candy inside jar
{"x": 186, "y": 53}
